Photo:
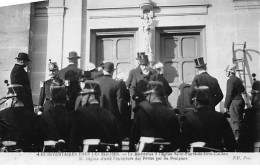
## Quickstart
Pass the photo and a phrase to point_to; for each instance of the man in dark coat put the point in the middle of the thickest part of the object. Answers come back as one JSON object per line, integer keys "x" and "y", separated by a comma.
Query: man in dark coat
{"x": 234, "y": 102}
{"x": 113, "y": 94}
{"x": 56, "y": 122}
{"x": 17, "y": 123}
{"x": 140, "y": 80}
{"x": 204, "y": 79}
{"x": 207, "y": 125}
{"x": 19, "y": 76}
{"x": 71, "y": 73}
{"x": 93, "y": 121}
{"x": 155, "y": 119}
{"x": 45, "y": 94}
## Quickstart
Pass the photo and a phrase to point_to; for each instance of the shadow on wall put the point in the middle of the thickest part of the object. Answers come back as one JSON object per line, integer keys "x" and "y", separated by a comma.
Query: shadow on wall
{"x": 170, "y": 72}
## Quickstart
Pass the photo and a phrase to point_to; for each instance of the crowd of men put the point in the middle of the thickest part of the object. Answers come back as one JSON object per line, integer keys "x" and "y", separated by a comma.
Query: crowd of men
{"x": 88, "y": 110}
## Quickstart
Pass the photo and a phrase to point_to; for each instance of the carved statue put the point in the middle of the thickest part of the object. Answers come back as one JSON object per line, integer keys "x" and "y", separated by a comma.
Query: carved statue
{"x": 147, "y": 29}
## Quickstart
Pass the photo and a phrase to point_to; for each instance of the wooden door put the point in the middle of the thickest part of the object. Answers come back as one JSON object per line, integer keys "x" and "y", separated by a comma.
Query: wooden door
{"x": 178, "y": 51}
{"x": 118, "y": 49}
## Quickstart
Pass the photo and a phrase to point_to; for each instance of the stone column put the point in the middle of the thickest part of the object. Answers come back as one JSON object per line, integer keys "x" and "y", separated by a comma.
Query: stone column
{"x": 56, "y": 12}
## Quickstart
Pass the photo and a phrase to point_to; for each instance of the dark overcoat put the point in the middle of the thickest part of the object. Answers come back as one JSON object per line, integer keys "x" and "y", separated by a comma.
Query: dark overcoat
{"x": 71, "y": 73}
{"x": 20, "y": 125}
{"x": 206, "y": 125}
{"x": 94, "y": 122}
{"x": 113, "y": 95}
{"x": 204, "y": 79}
{"x": 19, "y": 76}
{"x": 56, "y": 124}
{"x": 159, "y": 122}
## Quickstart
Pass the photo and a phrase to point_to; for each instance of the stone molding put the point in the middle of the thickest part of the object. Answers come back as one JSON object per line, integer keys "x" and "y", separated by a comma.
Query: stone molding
{"x": 180, "y": 10}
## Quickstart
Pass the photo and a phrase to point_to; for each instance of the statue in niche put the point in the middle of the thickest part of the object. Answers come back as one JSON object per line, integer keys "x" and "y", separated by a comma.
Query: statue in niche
{"x": 147, "y": 29}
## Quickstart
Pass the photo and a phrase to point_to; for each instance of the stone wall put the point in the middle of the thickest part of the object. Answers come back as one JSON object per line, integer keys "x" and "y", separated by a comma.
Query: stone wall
{"x": 14, "y": 38}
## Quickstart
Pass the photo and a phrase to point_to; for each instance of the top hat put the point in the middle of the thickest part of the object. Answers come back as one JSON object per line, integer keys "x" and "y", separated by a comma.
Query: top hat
{"x": 155, "y": 87}
{"x": 199, "y": 62}
{"x": 14, "y": 90}
{"x": 91, "y": 87}
{"x": 108, "y": 66}
{"x": 23, "y": 56}
{"x": 53, "y": 66}
{"x": 144, "y": 60}
{"x": 58, "y": 94}
{"x": 73, "y": 55}
{"x": 139, "y": 55}
{"x": 231, "y": 68}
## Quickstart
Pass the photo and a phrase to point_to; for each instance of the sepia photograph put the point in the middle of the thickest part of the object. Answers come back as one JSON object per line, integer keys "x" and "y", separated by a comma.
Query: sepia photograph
{"x": 113, "y": 82}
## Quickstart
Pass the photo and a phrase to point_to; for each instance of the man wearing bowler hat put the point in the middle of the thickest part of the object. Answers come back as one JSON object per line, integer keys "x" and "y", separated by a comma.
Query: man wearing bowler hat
{"x": 19, "y": 76}
{"x": 72, "y": 73}
{"x": 204, "y": 79}
{"x": 113, "y": 94}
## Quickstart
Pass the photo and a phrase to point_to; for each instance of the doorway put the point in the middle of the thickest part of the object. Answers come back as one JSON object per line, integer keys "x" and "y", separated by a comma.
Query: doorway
{"x": 119, "y": 49}
{"x": 177, "y": 51}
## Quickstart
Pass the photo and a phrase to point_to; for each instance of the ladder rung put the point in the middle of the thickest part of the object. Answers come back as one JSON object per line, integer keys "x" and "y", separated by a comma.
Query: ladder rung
{"x": 237, "y": 59}
{"x": 239, "y": 44}
{"x": 239, "y": 70}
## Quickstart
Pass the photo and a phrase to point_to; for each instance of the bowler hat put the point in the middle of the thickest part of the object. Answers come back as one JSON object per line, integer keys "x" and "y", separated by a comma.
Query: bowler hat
{"x": 73, "y": 55}
{"x": 199, "y": 62}
{"x": 109, "y": 67}
{"x": 144, "y": 60}
{"x": 91, "y": 87}
{"x": 23, "y": 56}
{"x": 139, "y": 55}
{"x": 155, "y": 87}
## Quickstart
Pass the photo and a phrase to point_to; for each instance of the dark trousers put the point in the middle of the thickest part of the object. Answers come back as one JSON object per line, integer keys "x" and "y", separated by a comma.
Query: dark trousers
{"x": 236, "y": 113}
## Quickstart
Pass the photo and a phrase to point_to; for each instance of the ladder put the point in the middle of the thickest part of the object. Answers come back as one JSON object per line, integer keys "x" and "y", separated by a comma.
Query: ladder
{"x": 240, "y": 62}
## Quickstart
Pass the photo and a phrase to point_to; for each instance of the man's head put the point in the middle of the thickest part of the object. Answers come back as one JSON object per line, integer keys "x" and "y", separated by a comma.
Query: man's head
{"x": 231, "y": 69}
{"x": 91, "y": 92}
{"x": 158, "y": 66}
{"x": 108, "y": 68}
{"x": 155, "y": 92}
{"x": 144, "y": 62}
{"x": 73, "y": 57}
{"x": 53, "y": 69}
{"x": 202, "y": 97}
{"x": 23, "y": 59}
